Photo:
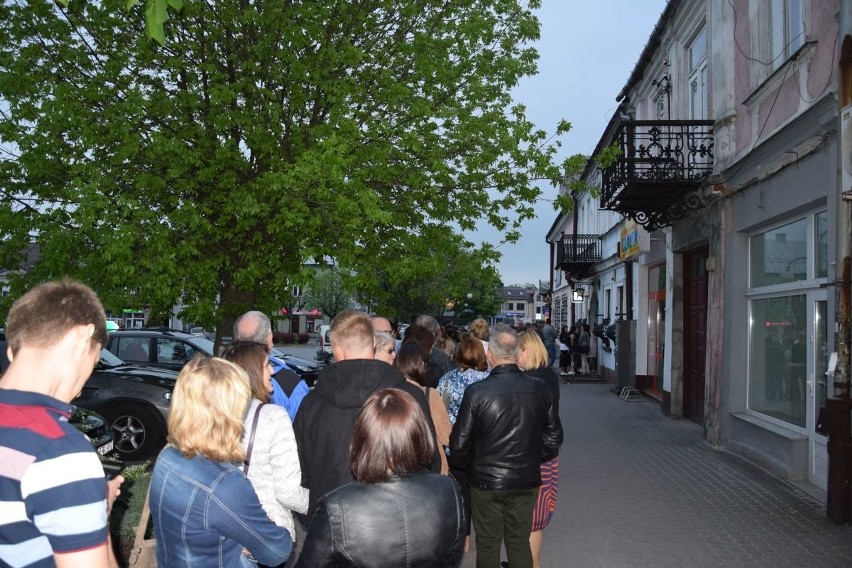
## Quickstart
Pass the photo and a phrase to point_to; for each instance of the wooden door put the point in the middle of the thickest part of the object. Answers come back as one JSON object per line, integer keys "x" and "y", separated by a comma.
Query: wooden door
{"x": 695, "y": 333}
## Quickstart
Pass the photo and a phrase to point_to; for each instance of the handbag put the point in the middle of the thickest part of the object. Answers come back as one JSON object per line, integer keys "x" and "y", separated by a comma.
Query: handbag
{"x": 144, "y": 553}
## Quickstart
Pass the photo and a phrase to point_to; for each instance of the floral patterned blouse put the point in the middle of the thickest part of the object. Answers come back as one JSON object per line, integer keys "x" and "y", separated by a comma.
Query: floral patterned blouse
{"x": 451, "y": 387}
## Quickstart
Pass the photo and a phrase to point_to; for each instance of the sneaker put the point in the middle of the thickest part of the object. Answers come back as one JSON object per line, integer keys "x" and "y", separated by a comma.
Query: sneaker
{"x": 563, "y": 373}
{"x": 569, "y": 373}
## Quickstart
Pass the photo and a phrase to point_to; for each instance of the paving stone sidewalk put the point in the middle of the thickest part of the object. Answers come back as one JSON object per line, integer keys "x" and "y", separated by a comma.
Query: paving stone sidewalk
{"x": 641, "y": 490}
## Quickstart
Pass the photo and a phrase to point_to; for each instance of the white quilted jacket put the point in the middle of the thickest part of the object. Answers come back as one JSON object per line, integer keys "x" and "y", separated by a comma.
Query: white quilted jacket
{"x": 274, "y": 471}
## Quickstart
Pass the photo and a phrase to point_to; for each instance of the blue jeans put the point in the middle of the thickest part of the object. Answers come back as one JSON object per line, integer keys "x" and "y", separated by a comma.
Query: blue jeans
{"x": 551, "y": 353}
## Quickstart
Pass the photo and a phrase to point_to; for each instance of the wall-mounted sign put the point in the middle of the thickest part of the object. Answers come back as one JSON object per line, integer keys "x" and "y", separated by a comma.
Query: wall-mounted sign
{"x": 578, "y": 295}
{"x": 629, "y": 240}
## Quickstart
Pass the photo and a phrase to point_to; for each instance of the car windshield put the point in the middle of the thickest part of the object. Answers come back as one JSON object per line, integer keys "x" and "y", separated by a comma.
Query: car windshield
{"x": 109, "y": 360}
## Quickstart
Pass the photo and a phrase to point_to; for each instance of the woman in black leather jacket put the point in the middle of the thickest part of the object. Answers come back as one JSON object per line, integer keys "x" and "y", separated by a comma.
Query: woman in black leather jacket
{"x": 396, "y": 513}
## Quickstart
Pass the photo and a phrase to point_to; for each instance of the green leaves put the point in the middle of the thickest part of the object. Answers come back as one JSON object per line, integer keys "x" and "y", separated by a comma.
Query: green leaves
{"x": 205, "y": 169}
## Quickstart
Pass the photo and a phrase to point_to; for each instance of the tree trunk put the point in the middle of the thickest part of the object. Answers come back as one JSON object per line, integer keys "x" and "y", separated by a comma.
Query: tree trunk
{"x": 234, "y": 303}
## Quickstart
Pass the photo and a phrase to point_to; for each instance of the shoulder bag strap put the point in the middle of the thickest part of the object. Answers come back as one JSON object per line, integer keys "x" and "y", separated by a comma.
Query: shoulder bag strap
{"x": 143, "y": 523}
{"x": 251, "y": 438}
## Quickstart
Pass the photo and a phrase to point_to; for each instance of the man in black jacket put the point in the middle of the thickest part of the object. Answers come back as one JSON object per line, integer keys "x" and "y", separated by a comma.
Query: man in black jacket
{"x": 508, "y": 424}
{"x": 327, "y": 414}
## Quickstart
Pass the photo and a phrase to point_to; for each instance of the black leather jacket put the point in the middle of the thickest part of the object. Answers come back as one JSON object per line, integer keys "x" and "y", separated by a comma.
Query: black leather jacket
{"x": 508, "y": 424}
{"x": 416, "y": 521}
{"x": 327, "y": 415}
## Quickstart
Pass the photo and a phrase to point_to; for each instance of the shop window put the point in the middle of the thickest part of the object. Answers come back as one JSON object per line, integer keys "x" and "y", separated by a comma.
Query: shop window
{"x": 787, "y": 266}
{"x": 780, "y": 255}
{"x": 777, "y": 363}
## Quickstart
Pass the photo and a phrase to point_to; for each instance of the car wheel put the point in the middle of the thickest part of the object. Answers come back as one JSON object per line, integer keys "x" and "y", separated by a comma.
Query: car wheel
{"x": 136, "y": 431}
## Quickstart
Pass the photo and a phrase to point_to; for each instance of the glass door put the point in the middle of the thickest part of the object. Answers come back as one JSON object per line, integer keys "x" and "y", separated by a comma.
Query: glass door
{"x": 818, "y": 385}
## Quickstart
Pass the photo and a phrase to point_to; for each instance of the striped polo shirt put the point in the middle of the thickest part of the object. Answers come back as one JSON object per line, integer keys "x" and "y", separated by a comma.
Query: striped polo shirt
{"x": 52, "y": 485}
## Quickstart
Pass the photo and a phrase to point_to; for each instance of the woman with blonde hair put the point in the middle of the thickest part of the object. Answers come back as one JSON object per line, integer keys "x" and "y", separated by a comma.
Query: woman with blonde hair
{"x": 273, "y": 464}
{"x": 205, "y": 511}
{"x": 533, "y": 360}
{"x": 479, "y": 329}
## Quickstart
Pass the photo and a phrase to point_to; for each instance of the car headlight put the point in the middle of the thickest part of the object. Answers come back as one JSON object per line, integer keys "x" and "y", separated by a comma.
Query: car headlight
{"x": 167, "y": 395}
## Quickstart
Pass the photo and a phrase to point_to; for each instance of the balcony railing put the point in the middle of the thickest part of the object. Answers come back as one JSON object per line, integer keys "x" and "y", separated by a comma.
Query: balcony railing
{"x": 661, "y": 166}
{"x": 577, "y": 255}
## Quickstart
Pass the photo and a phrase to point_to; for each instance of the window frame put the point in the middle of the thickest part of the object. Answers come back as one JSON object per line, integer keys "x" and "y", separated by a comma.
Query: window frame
{"x": 803, "y": 287}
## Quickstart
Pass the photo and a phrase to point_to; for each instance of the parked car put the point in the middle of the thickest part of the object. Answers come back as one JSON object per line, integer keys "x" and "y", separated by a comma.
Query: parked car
{"x": 171, "y": 349}
{"x": 324, "y": 353}
{"x": 307, "y": 370}
{"x": 134, "y": 399}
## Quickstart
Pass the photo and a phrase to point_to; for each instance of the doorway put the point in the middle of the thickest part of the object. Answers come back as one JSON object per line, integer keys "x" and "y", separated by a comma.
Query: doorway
{"x": 694, "y": 333}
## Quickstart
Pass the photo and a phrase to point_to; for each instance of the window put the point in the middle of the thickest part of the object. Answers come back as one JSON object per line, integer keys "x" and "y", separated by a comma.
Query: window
{"x": 777, "y": 361}
{"x": 520, "y": 306}
{"x": 619, "y": 299}
{"x": 787, "y": 264}
{"x": 131, "y": 349}
{"x": 821, "y": 241}
{"x": 173, "y": 352}
{"x": 788, "y": 30}
{"x": 698, "y": 76}
{"x": 779, "y": 255}
{"x": 509, "y": 306}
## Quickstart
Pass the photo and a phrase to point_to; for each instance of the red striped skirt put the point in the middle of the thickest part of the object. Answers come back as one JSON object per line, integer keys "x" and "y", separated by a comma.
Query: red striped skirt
{"x": 547, "y": 495}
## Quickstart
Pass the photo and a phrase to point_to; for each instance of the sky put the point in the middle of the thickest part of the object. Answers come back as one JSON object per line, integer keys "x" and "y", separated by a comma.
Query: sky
{"x": 587, "y": 51}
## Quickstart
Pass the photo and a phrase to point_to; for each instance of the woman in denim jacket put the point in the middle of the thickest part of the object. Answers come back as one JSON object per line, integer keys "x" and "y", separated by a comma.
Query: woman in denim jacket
{"x": 205, "y": 511}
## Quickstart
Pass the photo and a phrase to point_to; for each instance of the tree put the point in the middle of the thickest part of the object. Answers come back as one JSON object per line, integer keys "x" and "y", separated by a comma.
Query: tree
{"x": 260, "y": 136}
{"x": 423, "y": 275}
{"x": 328, "y": 293}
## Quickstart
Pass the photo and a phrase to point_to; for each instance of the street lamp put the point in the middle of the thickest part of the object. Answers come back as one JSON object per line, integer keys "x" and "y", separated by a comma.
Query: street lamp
{"x": 468, "y": 306}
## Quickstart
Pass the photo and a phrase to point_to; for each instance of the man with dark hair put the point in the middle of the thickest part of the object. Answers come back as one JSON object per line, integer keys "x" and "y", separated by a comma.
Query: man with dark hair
{"x": 55, "y": 497}
{"x": 325, "y": 421}
{"x": 507, "y": 425}
{"x": 288, "y": 388}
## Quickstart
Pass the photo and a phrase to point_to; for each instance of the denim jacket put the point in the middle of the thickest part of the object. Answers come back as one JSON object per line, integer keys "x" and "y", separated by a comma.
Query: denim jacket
{"x": 205, "y": 512}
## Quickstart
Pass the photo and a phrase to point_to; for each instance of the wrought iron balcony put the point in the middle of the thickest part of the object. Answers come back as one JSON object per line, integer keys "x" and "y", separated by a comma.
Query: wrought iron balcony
{"x": 662, "y": 164}
{"x": 577, "y": 255}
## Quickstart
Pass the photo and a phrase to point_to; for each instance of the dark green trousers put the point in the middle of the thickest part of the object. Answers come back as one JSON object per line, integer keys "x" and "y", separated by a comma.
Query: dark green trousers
{"x": 503, "y": 516}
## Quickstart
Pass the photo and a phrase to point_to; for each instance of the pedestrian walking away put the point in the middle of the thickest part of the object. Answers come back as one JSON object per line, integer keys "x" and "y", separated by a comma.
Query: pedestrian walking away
{"x": 507, "y": 425}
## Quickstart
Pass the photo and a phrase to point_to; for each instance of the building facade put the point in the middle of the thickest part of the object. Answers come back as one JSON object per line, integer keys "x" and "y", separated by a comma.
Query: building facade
{"x": 718, "y": 276}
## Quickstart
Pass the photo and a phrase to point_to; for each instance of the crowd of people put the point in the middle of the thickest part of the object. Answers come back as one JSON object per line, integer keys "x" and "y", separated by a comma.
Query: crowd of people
{"x": 403, "y": 444}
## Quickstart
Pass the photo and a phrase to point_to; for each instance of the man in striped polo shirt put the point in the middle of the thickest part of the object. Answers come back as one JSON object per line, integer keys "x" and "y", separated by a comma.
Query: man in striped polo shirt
{"x": 54, "y": 498}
